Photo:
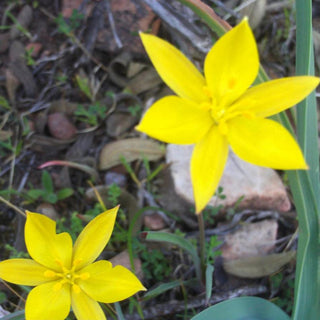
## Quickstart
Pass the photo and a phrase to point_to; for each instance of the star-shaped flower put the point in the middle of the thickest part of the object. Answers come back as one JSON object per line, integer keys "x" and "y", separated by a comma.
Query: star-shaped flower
{"x": 66, "y": 276}
{"x": 221, "y": 109}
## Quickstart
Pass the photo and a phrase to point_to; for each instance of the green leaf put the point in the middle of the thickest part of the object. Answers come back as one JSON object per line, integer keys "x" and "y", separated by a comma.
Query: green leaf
{"x": 305, "y": 185}
{"x": 50, "y": 197}
{"x": 47, "y": 181}
{"x": 35, "y": 193}
{"x": 163, "y": 287}
{"x": 64, "y": 193}
{"x": 209, "y": 280}
{"x": 243, "y": 308}
{"x": 176, "y": 240}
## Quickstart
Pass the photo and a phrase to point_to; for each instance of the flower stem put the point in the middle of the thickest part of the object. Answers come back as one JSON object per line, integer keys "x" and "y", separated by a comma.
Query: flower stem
{"x": 202, "y": 240}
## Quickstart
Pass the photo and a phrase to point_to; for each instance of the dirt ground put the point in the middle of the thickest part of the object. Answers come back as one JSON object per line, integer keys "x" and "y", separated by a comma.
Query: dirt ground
{"x": 74, "y": 81}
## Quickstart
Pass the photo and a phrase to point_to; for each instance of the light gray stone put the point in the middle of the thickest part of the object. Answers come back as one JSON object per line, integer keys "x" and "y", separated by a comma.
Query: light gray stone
{"x": 261, "y": 187}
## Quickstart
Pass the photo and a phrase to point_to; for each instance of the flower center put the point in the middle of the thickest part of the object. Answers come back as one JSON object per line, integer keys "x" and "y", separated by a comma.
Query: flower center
{"x": 67, "y": 276}
{"x": 221, "y": 113}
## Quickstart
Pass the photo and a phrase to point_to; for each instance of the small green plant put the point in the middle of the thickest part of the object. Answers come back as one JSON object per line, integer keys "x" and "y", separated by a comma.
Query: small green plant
{"x": 285, "y": 289}
{"x": 74, "y": 22}
{"x": 74, "y": 227}
{"x": 47, "y": 193}
{"x": 135, "y": 110}
{"x": 92, "y": 114}
{"x": 28, "y": 57}
{"x": 61, "y": 78}
{"x": 14, "y": 253}
{"x": 211, "y": 249}
{"x": 155, "y": 264}
{"x": 114, "y": 192}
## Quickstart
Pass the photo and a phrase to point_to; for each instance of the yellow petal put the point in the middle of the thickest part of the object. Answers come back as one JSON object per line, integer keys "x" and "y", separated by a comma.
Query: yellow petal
{"x": 175, "y": 120}
{"x": 44, "y": 245}
{"x": 207, "y": 163}
{"x": 86, "y": 308}
{"x": 23, "y": 271}
{"x": 265, "y": 143}
{"x": 44, "y": 302}
{"x": 274, "y": 96}
{"x": 94, "y": 238}
{"x": 174, "y": 68}
{"x": 107, "y": 284}
{"x": 232, "y": 64}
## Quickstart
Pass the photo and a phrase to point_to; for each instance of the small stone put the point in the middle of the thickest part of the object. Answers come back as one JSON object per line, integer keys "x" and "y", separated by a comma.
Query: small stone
{"x": 251, "y": 240}
{"x": 48, "y": 210}
{"x": 123, "y": 259}
{"x": 260, "y": 187}
{"x": 154, "y": 222}
{"x": 60, "y": 127}
{"x": 113, "y": 177}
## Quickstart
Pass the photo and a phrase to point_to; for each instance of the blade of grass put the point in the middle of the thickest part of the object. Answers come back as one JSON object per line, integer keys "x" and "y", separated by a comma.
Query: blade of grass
{"x": 305, "y": 185}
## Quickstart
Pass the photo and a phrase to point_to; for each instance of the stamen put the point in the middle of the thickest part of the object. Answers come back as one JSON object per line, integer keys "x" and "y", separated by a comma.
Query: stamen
{"x": 75, "y": 264}
{"x": 84, "y": 276}
{"x": 50, "y": 274}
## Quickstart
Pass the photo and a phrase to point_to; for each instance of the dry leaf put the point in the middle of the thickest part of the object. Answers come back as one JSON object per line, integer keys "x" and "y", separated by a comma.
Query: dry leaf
{"x": 255, "y": 12}
{"x": 131, "y": 149}
{"x": 257, "y": 267}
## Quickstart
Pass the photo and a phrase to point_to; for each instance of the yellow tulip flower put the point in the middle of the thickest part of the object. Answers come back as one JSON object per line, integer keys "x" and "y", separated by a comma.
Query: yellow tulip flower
{"x": 67, "y": 276}
{"x": 221, "y": 109}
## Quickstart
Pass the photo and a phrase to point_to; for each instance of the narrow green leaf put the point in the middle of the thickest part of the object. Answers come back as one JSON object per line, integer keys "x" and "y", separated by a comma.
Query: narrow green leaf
{"x": 209, "y": 280}
{"x": 163, "y": 287}
{"x": 120, "y": 315}
{"x": 305, "y": 185}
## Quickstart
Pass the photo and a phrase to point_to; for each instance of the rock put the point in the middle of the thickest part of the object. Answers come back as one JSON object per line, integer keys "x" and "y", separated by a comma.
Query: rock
{"x": 117, "y": 178}
{"x": 261, "y": 187}
{"x": 154, "y": 221}
{"x": 251, "y": 240}
{"x": 48, "y": 210}
{"x": 60, "y": 127}
{"x": 123, "y": 259}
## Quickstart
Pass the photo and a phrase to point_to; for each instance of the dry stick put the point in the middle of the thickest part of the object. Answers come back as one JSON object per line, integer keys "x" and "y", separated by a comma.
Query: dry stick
{"x": 9, "y": 204}
{"x": 13, "y": 291}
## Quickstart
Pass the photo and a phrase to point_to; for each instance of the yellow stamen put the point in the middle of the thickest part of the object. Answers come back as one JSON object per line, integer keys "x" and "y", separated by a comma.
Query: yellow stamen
{"x": 50, "y": 274}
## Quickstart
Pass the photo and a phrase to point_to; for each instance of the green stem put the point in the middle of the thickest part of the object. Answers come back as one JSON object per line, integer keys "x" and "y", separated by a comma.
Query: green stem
{"x": 202, "y": 241}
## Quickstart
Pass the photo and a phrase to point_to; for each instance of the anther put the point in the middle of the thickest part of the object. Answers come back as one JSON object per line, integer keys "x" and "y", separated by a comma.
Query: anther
{"x": 50, "y": 274}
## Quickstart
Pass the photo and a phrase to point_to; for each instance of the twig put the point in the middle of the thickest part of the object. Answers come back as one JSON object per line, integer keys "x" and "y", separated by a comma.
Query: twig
{"x": 9, "y": 204}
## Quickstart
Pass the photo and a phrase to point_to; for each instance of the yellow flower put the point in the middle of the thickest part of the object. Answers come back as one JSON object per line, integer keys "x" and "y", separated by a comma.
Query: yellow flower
{"x": 66, "y": 276}
{"x": 221, "y": 109}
